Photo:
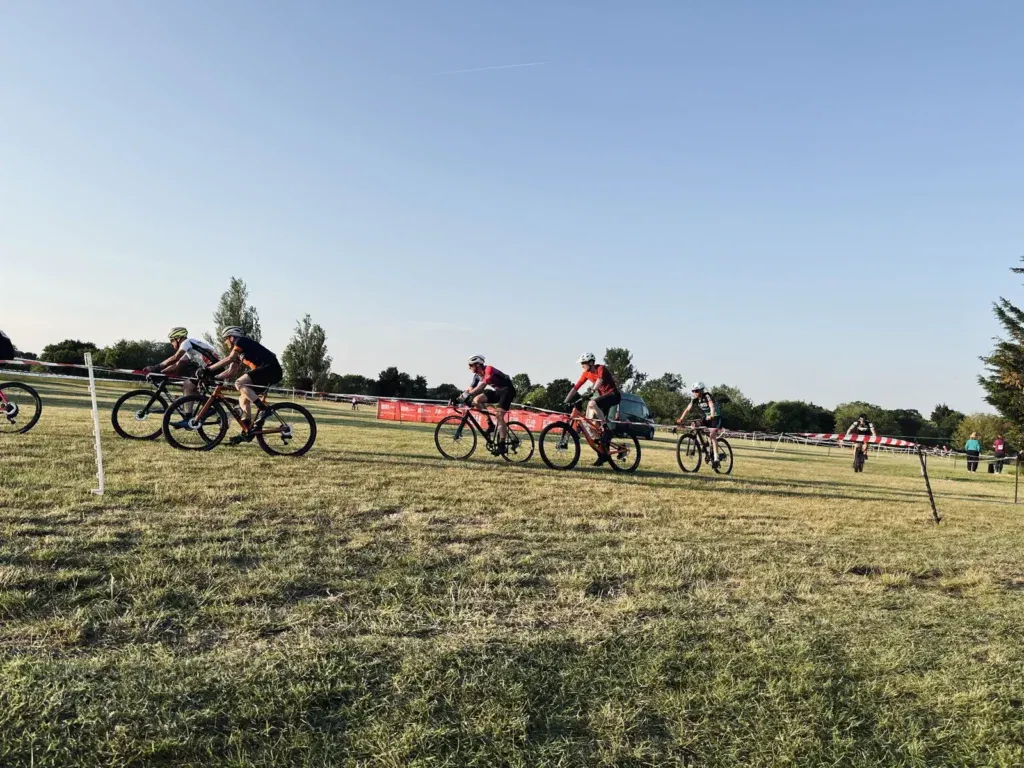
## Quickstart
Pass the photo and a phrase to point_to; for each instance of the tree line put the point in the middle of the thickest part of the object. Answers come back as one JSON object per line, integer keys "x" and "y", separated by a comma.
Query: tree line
{"x": 307, "y": 366}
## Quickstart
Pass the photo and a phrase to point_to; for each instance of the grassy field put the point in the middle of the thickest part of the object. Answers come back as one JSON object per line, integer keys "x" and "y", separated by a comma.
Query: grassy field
{"x": 370, "y": 604}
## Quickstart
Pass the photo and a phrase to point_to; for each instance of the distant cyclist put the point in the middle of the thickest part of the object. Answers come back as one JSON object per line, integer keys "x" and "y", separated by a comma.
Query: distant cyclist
{"x": 704, "y": 401}
{"x": 607, "y": 396}
{"x": 490, "y": 387}
{"x": 189, "y": 356}
{"x": 264, "y": 371}
{"x": 862, "y": 428}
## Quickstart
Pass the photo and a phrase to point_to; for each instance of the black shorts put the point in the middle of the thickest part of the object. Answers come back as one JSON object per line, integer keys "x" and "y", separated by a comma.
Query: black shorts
{"x": 266, "y": 375}
{"x": 501, "y": 397}
{"x": 187, "y": 369}
{"x": 604, "y": 402}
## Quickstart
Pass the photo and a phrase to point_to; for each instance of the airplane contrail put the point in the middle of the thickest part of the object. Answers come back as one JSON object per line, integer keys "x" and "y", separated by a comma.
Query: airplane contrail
{"x": 485, "y": 69}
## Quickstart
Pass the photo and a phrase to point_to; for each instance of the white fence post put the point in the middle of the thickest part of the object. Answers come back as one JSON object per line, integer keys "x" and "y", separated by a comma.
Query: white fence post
{"x": 95, "y": 425}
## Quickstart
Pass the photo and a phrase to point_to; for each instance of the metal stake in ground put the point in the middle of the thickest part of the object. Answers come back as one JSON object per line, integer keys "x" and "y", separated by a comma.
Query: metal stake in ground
{"x": 928, "y": 485}
{"x": 1016, "y": 478}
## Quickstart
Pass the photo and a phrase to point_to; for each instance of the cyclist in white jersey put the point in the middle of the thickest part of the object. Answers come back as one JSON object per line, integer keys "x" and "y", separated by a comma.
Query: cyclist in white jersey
{"x": 189, "y": 356}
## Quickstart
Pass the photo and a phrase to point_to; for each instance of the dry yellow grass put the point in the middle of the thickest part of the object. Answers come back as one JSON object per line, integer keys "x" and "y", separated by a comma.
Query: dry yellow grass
{"x": 371, "y": 604}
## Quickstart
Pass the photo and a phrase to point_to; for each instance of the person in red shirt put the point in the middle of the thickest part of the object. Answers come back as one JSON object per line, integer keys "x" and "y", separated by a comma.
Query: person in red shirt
{"x": 607, "y": 396}
{"x": 490, "y": 387}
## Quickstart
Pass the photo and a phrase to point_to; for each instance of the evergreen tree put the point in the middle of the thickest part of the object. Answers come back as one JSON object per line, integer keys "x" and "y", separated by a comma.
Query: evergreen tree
{"x": 1004, "y": 386}
{"x": 305, "y": 360}
{"x": 234, "y": 309}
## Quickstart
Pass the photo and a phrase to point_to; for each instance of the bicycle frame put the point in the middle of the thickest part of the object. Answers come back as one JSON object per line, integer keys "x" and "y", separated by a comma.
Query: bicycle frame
{"x": 577, "y": 420}
{"x": 469, "y": 418}
{"x": 218, "y": 394}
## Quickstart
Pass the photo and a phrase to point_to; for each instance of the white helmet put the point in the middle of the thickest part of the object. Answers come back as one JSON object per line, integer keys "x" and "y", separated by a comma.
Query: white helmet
{"x": 697, "y": 386}
{"x": 588, "y": 357}
{"x": 476, "y": 360}
{"x": 232, "y": 330}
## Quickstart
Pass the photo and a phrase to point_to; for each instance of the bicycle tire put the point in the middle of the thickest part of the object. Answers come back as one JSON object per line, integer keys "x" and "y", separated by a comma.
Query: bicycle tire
{"x": 520, "y": 435}
{"x": 219, "y": 423}
{"x": 858, "y": 459}
{"x": 625, "y": 464}
{"x": 159, "y": 417}
{"x": 268, "y": 442}
{"x": 453, "y": 426}
{"x": 11, "y": 427}
{"x": 555, "y": 439}
{"x": 724, "y": 466}
{"x": 688, "y": 453}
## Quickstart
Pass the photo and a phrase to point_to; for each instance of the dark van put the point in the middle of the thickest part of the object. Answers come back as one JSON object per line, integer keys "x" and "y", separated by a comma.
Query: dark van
{"x": 635, "y": 412}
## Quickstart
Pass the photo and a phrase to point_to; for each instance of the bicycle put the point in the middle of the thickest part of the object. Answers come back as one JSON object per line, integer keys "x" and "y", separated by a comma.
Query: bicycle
{"x": 132, "y": 411}
{"x": 560, "y": 443}
{"x": 694, "y": 447}
{"x": 20, "y": 408}
{"x": 860, "y": 455}
{"x": 456, "y": 436}
{"x": 199, "y": 423}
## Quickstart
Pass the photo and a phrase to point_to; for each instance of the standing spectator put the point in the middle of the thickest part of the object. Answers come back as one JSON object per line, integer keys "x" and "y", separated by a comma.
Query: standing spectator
{"x": 973, "y": 451}
{"x": 999, "y": 449}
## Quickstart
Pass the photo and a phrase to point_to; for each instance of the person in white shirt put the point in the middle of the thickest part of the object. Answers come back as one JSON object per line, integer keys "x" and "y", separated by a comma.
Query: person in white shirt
{"x": 189, "y": 356}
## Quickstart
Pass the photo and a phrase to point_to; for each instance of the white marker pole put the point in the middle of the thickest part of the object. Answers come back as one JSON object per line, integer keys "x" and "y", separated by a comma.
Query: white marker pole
{"x": 95, "y": 424}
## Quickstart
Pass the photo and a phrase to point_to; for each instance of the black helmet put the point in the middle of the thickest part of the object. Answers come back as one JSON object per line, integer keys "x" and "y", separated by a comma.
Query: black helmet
{"x": 862, "y": 417}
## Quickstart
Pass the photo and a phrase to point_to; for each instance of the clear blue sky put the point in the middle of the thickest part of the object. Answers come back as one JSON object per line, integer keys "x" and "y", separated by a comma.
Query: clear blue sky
{"x": 807, "y": 200}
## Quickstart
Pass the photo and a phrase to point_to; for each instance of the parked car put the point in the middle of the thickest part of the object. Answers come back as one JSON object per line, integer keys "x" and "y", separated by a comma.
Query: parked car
{"x": 634, "y": 410}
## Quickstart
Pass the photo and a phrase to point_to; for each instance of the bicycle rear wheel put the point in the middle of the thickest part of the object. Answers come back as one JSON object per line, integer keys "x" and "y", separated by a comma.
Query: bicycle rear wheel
{"x": 455, "y": 440}
{"x": 184, "y": 431}
{"x": 858, "y": 459}
{"x": 519, "y": 446}
{"x": 288, "y": 430}
{"x": 139, "y": 414}
{"x": 624, "y": 454}
{"x": 724, "y": 457}
{"x": 688, "y": 452}
{"x": 20, "y": 408}
{"x": 559, "y": 446}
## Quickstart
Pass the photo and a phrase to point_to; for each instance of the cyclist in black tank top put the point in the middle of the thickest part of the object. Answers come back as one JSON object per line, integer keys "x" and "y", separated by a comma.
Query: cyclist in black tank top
{"x": 863, "y": 428}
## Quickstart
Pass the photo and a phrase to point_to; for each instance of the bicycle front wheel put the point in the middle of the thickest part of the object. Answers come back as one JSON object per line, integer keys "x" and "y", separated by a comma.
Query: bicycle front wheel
{"x": 519, "y": 445}
{"x": 455, "y": 440}
{"x": 624, "y": 454}
{"x": 139, "y": 414}
{"x": 20, "y": 408}
{"x": 724, "y": 466}
{"x": 559, "y": 446}
{"x": 288, "y": 430}
{"x": 688, "y": 453}
{"x": 184, "y": 431}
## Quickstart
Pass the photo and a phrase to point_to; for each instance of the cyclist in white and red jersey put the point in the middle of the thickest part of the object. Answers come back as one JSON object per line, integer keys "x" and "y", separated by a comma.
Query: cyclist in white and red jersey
{"x": 189, "y": 356}
{"x": 607, "y": 396}
{"x": 490, "y": 387}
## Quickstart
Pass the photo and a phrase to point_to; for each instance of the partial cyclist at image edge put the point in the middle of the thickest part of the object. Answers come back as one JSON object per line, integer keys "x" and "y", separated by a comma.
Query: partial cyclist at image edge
{"x": 6, "y": 347}
{"x": 490, "y": 387}
{"x": 711, "y": 418}
{"x": 20, "y": 406}
{"x": 264, "y": 370}
{"x": 607, "y": 395}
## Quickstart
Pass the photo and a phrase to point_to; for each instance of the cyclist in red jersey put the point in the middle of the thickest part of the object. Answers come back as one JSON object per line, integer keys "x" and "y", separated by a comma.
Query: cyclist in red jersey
{"x": 607, "y": 396}
{"x": 490, "y": 387}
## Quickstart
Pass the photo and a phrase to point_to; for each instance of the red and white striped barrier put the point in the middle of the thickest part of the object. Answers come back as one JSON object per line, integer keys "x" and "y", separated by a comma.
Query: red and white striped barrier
{"x": 895, "y": 442}
{"x": 48, "y": 364}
